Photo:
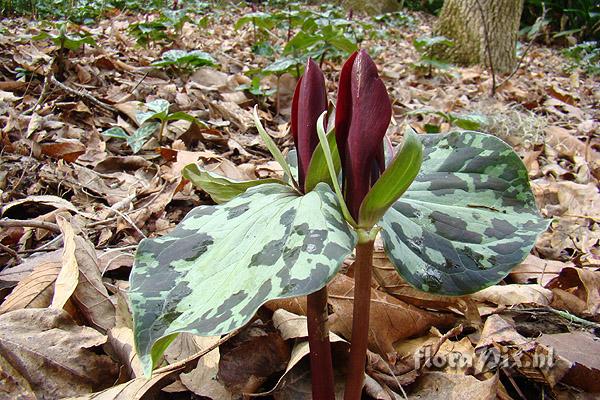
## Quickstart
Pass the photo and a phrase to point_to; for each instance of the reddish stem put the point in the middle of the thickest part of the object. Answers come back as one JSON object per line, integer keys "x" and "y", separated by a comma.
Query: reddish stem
{"x": 360, "y": 320}
{"x": 321, "y": 366}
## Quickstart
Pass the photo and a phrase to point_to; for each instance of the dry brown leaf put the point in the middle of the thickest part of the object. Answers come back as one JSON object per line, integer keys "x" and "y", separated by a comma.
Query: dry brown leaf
{"x": 581, "y": 349}
{"x": 510, "y": 295}
{"x": 441, "y": 386}
{"x": 577, "y": 290}
{"x": 137, "y": 389}
{"x": 250, "y": 358}
{"x": 53, "y": 354}
{"x": 90, "y": 295}
{"x": 68, "y": 277}
{"x": 390, "y": 318}
{"x": 537, "y": 270}
{"x": 68, "y": 151}
{"x": 35, "y": 290}
{"x": 122, "y": 344}
{"x": 202, "y": 380}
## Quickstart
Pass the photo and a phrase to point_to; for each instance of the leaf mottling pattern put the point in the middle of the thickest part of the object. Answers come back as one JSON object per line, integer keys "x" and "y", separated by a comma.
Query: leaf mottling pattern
{"x": 221, "y": 263}
{"x": 468, "y": 217}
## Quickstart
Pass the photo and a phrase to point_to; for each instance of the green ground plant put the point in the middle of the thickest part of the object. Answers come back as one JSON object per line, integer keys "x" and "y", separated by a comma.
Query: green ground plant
{"x": 150, "y": 122}
{"x": 455, "y": 212}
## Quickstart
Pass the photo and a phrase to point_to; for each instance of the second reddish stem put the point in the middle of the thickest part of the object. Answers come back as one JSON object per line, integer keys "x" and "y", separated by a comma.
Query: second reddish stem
{"x": 321, "y": 366}
{"x": 363, "y": 266}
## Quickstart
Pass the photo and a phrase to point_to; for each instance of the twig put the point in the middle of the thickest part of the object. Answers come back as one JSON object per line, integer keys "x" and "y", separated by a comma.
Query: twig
{"x": 129, "y": 220}
{"x": 564, "y": 314}
{"x": 83, "y": 93}
{"x": 487, "y": 47}
{"x": 11, "y": 252}
{"x": 529, "y": 45}
{"x": 184, "y": 362}
{"x": 43, "y": 95}
{"x": 10, "y": 223}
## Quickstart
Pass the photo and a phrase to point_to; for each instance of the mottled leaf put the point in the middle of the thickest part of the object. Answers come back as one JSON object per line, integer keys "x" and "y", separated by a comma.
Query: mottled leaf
{"x": 221, "y": 263}
{"x": 220, "y": 188}
{"x": 468, "y": 217}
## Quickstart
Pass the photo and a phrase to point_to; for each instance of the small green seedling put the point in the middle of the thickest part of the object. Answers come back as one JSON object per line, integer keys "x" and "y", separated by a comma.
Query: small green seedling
{"x": 184, "y": 62}
{"x": 583, "y": 56}
{"x": 427, "y": 61}
{"x": 165, "y": 29}
{"x": 149, "y": 122}
{"x": 65, "y": 42}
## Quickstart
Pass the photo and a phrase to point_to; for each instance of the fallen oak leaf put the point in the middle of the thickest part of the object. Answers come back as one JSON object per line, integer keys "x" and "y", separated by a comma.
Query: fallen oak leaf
{"x": 53, "y": 354}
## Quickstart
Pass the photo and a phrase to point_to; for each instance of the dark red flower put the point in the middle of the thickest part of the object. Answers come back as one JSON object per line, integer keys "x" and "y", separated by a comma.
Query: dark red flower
{"x": 363, "y": 113}
{"x": 310, "y": 100}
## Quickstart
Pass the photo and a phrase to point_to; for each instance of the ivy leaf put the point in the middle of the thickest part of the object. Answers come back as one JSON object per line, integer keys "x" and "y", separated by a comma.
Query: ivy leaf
{"x": 221, "y": 263}
{"x": 220, "y": 188}
{"x": 468, "y": 218}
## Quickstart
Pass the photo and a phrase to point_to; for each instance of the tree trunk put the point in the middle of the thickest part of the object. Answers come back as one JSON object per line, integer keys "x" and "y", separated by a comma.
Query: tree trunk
{"x": 469, "y": 22}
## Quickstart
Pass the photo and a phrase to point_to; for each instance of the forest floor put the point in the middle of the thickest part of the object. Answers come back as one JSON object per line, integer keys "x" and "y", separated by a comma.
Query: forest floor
{"x": 71, "y": 195}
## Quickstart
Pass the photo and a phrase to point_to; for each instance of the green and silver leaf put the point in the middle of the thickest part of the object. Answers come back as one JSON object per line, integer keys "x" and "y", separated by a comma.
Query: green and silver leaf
{"x": 468, "y": 218}
{"x": 221, "y": 263}
{"x": 220, "y": 188}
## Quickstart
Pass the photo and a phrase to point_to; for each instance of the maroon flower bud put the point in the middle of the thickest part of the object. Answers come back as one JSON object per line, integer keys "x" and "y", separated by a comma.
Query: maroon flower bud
{"x": 363, "y": 113}
{"x": 310, "y": 100}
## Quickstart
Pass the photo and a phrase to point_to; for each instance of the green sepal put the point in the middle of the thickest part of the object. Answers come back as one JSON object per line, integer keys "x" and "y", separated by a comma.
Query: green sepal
{"x": 272, "y": 147}
{"x": 331, "y": 169}
{"x": 394, "y": 181}
{"x": 220, "y": 188}
{"x": 317, "y": 168}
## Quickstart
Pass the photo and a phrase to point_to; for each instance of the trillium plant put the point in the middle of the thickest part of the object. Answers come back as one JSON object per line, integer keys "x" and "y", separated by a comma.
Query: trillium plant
{"x": 455, "y": 212}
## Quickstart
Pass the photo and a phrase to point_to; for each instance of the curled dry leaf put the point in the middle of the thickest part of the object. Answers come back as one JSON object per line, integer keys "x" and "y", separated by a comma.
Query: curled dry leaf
{"x": 136, "y": 389}
{"x": 37, "y": 288}
{"x": 89, "y": 296}
{"x": 252, "y": 360}
{"x": 46, "y": 349}
{"x": 122, "y": 345}
{"x": 500, "y": 345}
{"x": 68, "y": 277}
{"x": 510, "y": 295}
{"x": 537, "y": 270}
{"x": 202, "y": 380}
{"x": 577, "y": 290}
{"x": 581, "y": 349}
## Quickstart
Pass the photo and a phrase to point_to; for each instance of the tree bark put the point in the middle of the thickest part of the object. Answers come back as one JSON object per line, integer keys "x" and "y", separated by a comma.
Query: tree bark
{"x": 469, "y": 22}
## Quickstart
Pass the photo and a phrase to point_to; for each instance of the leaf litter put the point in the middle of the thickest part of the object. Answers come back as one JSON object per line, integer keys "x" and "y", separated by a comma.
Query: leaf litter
{"x": 76, "y": 203}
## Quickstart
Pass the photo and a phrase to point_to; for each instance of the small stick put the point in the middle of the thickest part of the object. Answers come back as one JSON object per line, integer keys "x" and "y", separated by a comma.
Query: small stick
{"x": 83, "y": 93}
{"x": 11, "y": 252}
{"x": 9, "y": 223}
{"x": 194, "y": 357}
